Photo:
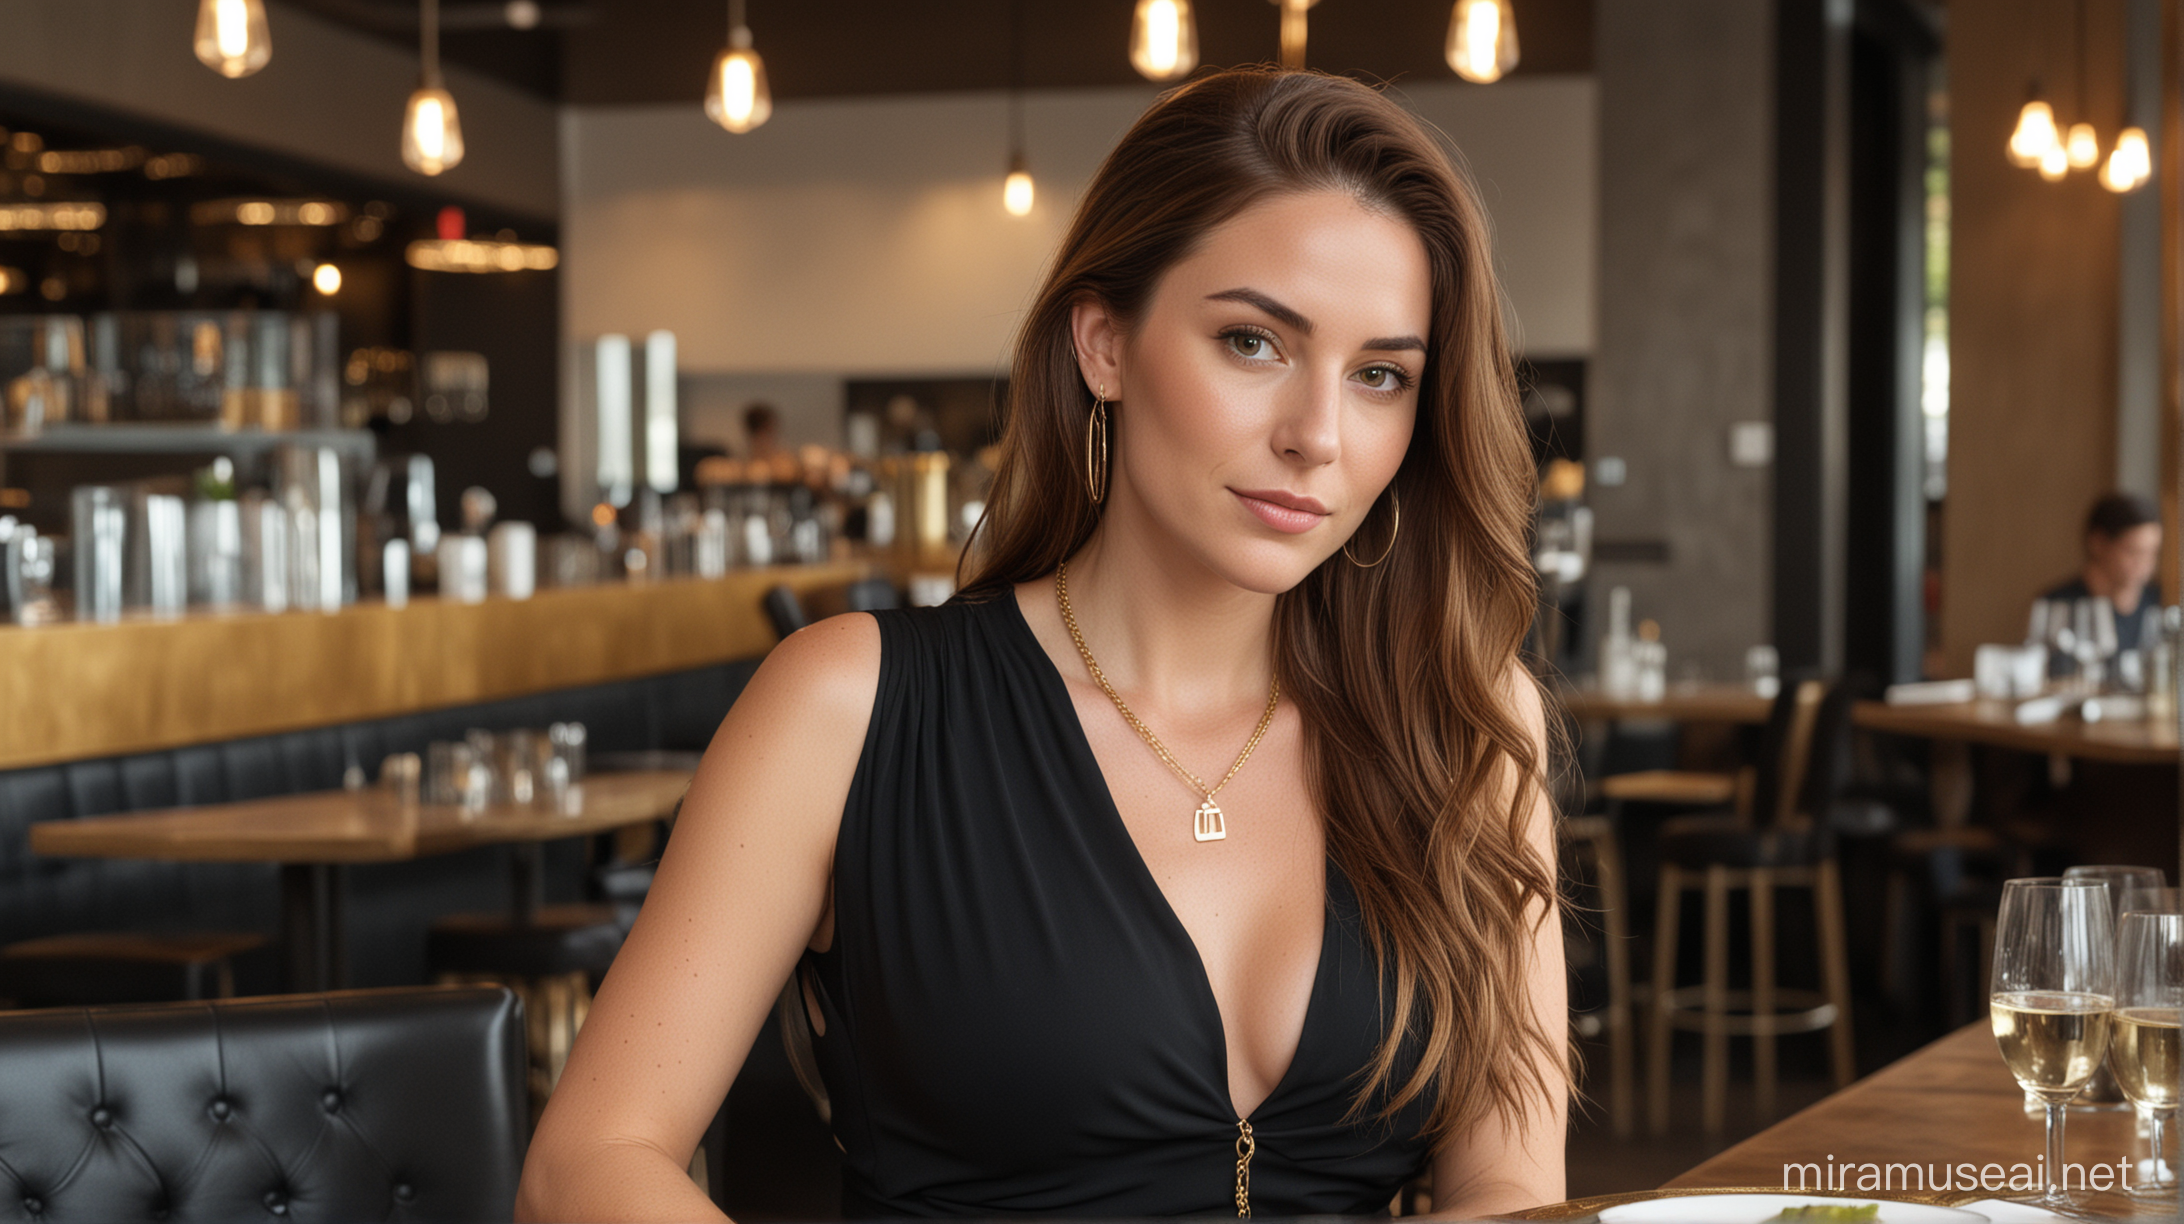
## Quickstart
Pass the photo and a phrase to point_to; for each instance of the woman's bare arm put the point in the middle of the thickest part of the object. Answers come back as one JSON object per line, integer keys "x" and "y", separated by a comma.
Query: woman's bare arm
{"x": 1506, "y": 1165}
{"x": 742, "y": 889}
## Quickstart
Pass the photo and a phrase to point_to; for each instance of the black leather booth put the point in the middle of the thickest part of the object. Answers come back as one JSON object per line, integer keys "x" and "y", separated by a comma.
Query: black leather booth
{"x": 376, "y": 1104}
{"x": 391, "y": 905}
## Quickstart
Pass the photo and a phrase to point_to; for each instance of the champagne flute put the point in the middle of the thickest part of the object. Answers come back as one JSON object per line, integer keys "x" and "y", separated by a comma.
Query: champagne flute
{"x": 2054, "y": 995}
{"x": 2149, "y": 993}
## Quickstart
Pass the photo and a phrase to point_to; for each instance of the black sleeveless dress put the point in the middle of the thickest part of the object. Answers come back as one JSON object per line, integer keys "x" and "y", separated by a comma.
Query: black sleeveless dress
{"x": 1017, "y": 1023}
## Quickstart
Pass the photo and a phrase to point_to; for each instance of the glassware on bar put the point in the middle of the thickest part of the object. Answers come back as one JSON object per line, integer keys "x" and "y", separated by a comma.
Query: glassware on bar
{"x": 2054, "y": 998}
{"x": 512, "y": 559}
{"x": 266, "y": 551}
{"x": 26, "y": 574}
{"x": 156, "y": 574}
{"x": 2144, "y": 1053}
{"x": 98, "y": 539}
{"x": 216, "y": 538}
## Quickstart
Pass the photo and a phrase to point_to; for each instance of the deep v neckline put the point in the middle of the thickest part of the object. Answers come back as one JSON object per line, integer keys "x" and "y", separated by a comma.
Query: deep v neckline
{"x": 1164, "y": 912}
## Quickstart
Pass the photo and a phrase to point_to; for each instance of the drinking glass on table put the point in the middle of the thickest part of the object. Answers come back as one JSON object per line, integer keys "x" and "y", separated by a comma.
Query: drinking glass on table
{"x": 2054, "y": 998}
{"x": 2144, "y": 1052}
{"x": 2124, "y": 882}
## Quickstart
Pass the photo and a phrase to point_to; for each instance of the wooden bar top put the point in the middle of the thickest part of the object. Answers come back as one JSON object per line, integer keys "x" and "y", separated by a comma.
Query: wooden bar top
{"x": 2132, "y": 742}
{"x": 1949, "y": 1104}
{"x": 362, "y": 826}
{"x": 75, "y": 690}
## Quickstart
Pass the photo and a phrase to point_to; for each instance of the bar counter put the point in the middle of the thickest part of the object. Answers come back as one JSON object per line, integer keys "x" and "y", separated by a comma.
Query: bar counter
{"x": 75, "y": 690}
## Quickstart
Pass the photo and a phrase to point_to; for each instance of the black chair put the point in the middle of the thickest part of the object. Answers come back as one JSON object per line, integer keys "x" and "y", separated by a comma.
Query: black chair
{"x": 370, "y": 1104}
{"x": 790, "y": 611}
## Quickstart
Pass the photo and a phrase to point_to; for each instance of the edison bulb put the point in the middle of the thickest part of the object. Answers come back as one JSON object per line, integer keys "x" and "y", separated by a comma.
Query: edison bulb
{"x": 231, "y": 36}
{"x": 2083, "y": 147}
{"x": 1482, "y": 40}
{"x": 1016, "y": 190}
{"x": 736, "y": 96}
{"x": 2054, "y": 162}
{"x": 1163, "y": 39}
{"x": 2034, "y": 135}
{"x": 326, "y": 278}
{"x": 432, "y": 134}
{"x": 2130, "y": 163}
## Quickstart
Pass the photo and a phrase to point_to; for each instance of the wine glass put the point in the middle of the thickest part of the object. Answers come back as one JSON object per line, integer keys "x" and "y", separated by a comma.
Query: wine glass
{"x": 2054, "y": 996}
{"x": 2144, "y": 1051}
{"x": 2101, "y": 1092}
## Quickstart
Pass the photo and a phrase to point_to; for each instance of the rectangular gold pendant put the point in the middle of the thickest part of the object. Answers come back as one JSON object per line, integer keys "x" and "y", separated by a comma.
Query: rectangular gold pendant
{"x": 1210, "y": 826}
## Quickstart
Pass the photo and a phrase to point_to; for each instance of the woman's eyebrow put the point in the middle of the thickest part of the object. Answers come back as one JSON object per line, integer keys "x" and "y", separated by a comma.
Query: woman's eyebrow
{"x": 1252, "y": 297}
{"x": 1287, "y": 316}
{"x": 1393, "y": 343}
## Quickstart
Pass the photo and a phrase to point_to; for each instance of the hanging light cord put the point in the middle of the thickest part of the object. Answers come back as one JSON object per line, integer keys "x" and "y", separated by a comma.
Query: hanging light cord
{"x": 2077, "y": 84}
{"x": 1016, "y": 79}
{"x": 431, "y": 40}
{"x": 735, "y": 15}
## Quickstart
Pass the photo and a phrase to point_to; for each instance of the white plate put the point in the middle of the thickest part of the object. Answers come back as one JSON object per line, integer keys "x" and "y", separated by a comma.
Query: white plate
{"x": 1755, "y": 1208}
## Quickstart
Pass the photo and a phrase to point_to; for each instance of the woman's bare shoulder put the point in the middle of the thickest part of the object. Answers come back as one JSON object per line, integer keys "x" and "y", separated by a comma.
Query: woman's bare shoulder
{"x": 826, "y": 673}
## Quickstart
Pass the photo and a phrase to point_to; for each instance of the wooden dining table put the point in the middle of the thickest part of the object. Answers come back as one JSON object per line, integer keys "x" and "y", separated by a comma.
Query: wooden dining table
{"x": 1948, "y": 1105}
{"x": 1993, "y": 724}
{"x": 314, "y": 836}
{"x": 1737, "y": 704}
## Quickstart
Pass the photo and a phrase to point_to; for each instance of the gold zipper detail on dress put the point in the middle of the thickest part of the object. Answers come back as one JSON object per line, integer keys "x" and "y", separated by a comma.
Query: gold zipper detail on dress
{"x": 1245, "y": 1147}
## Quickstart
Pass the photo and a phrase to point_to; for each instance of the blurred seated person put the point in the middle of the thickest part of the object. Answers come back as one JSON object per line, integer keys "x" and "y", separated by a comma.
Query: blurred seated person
{"x": 762, "y": 432}
{"x": 2122, "y": 544}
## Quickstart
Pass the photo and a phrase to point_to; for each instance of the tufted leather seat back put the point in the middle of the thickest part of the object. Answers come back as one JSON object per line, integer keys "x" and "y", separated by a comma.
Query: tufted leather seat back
{"x": 405, "y": 1104}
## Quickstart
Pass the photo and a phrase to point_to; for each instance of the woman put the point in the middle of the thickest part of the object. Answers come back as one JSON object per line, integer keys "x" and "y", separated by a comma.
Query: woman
{"x": 1262, "y": 509}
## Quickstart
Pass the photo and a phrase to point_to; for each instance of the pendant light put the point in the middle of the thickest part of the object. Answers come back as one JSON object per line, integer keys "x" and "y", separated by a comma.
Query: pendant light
{"x": 1163, "y": 39}
{"x": 2035, "y": 133}
{"x": 1016, "y": 189}
{"x": 2054, "y": 162}
{"x": 1293, "y": 30}
{"x": 231, "y": 38}
{"x": 2130, "y": 164}
{"x": 1482, "y": 40}
{"x": 736, "y": 96}
{"x": 432, "y": 134}
{"x": 2081, "y": 147}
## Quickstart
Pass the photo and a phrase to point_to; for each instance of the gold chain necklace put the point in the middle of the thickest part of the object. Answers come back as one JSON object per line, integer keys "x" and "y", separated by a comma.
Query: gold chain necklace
{"x": 1209, "y": 824}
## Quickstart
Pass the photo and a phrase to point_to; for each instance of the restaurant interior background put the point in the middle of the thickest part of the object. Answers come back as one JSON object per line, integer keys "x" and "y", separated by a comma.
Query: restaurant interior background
{"x": 1811, "y": 364}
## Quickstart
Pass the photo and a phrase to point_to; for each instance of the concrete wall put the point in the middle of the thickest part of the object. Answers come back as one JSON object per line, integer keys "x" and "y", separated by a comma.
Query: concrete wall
{"x": 329, "y": 95}
{"x": 866, "y": 236}
{"x": 1685, "y": 139}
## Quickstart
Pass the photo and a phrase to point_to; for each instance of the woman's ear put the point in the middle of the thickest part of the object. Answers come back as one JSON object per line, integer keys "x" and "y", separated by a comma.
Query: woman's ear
{"x": 1098, "y": 341}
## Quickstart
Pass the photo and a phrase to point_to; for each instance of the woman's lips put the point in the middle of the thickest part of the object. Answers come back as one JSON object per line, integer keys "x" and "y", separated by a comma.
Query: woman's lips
{"x": 1288, "y": 519}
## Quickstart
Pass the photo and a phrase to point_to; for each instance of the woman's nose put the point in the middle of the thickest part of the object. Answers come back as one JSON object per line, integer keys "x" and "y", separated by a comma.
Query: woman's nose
{"x": 1310, "y": 428}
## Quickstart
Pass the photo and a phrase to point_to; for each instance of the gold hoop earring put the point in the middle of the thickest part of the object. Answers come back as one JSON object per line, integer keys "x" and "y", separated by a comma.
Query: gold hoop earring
{"x": 1095, "y": 447}
{"x": 1395, "y": 528}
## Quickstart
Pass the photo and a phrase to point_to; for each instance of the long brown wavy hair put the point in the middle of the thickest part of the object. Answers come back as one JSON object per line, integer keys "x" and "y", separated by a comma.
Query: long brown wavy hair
{"x": 1402, "y": 671}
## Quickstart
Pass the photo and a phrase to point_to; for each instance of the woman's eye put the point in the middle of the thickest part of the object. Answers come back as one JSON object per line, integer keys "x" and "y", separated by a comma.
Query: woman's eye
{"x": 1248, "y": 344}
{"x": 1384, "y": 378}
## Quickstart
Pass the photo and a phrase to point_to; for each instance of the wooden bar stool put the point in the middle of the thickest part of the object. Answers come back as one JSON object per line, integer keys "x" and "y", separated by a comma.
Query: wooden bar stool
{"x": 1774, "y": 844}
{"x": 1719, "y": 862}
{"x": 1592, "y": 839}
{"x": 547, "y": 956}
